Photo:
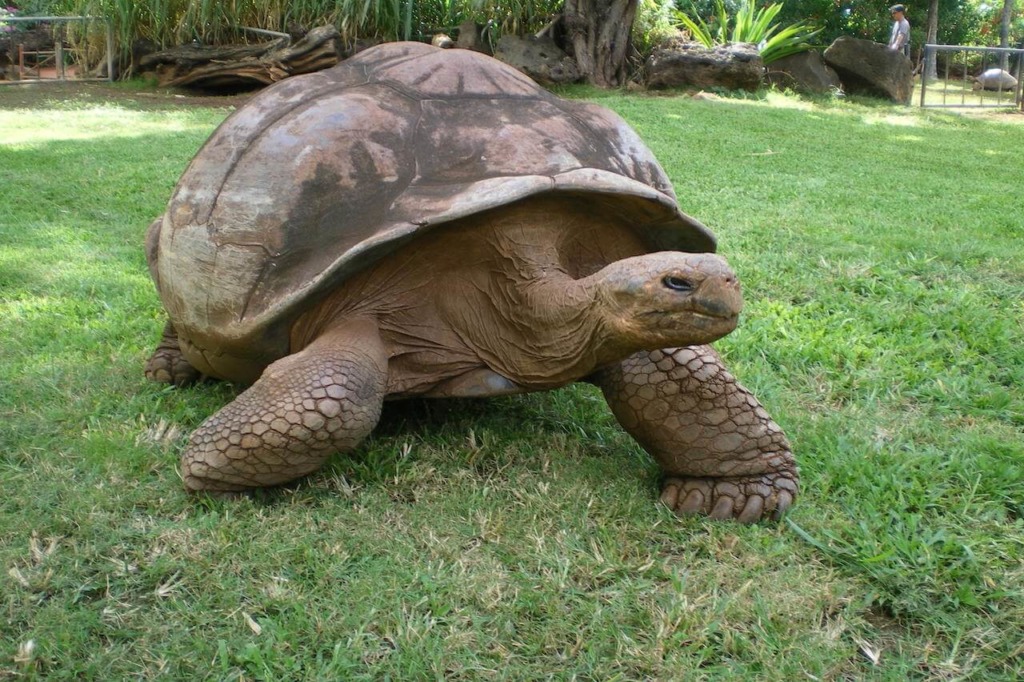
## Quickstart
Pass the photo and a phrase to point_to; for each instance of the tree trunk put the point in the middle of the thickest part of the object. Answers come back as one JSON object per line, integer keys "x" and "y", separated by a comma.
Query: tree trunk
{"x": 1004, "y": 33}
{"x": 598, "y": 33}
{"x": 931, "y": 38}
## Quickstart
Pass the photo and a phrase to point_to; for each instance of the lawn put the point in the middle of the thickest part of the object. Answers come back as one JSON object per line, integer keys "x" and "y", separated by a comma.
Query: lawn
{"x": 882, "y": 252}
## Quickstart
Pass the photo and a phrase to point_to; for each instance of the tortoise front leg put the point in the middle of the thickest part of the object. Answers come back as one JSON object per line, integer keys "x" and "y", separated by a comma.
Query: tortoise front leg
{"x": 324, "y": 399}
{"x": 721, "y": 453}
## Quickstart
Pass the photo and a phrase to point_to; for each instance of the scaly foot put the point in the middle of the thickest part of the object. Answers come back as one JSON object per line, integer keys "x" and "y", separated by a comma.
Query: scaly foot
{"x": 748, "y": 499}
{"x": 167, "y": 364}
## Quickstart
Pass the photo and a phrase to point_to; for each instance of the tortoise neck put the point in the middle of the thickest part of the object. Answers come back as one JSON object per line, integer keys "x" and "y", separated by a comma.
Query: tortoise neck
{"x": 577, "y": 325}
{"x": 554, "y": 310}
{"x": 528, "y": 307}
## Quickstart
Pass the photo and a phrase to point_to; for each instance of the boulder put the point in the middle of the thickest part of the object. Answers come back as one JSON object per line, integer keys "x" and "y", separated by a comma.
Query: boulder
{"x": 471, "y": 37}
{"x": 33, "y": 39}
{"x": 691, "y": 65}
{"x": 804, "y": 72}
{"x": 869, "y": 68}
{"x": 539, "y": 58}
{"x": 8, "y": 71}
{"x": 995, "y": 79}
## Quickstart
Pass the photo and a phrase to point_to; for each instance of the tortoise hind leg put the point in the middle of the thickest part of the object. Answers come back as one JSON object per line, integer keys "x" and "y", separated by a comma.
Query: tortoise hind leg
{"x": 167, "y": 364}
{"x": 721, "y": 453}
{"x": 323, "y": 399}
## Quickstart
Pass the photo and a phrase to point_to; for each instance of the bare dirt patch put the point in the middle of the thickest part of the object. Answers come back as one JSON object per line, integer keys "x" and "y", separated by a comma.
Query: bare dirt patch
{"x": 1001, "y": 116}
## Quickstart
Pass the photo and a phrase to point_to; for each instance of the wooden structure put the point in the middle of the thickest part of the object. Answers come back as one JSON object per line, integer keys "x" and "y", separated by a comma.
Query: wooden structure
{"x": 238, "y": 67}
{"x": 32, "y": 60}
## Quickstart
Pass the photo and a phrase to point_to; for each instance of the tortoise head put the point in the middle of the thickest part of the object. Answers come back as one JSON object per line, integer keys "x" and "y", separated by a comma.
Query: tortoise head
{"x": 667, "y": 299}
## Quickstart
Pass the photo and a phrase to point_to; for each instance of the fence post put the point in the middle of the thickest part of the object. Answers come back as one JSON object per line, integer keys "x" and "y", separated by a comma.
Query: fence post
{"x": 928, "y": 51}
{"x": 1020, "y": 86}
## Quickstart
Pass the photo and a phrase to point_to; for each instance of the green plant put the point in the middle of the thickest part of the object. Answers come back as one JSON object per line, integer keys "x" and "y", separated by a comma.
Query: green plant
{"x": 655, "y": 22}
{"x": 6, "y": 26}
{"x": 33, "y": 8}
{"x": 750, "y": 24}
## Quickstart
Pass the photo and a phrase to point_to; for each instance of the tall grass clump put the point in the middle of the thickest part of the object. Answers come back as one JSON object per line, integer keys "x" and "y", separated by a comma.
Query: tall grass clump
{"x": 173, "y": 22}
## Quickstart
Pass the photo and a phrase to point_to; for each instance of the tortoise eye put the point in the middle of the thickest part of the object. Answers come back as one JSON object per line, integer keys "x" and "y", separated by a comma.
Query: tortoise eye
{"x": 677, "y": 283}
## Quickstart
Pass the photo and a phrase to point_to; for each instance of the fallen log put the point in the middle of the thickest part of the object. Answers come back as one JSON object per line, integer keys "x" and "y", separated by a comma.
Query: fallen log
{"x": 244, "y": 67}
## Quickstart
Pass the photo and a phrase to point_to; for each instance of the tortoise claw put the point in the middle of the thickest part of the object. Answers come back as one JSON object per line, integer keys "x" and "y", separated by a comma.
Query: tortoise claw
{"x": 169, "y": 366}
{"x": 747, "y": 499}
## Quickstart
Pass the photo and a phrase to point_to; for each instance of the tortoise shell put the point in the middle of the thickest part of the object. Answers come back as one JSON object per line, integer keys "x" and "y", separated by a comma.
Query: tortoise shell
{"x": 320, "y": 175}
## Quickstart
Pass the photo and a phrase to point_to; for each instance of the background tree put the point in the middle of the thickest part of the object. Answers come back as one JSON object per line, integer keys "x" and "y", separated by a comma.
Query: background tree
{"x": 598, "y": 33}
{"x": 870, "y": 20}
{"x": 1004, "y": 32}
{"x": 931, "y": 35}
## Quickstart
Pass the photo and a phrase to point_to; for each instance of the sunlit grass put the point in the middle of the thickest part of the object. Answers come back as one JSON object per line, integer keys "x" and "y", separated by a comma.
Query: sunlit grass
{"x": 48, "y": 126}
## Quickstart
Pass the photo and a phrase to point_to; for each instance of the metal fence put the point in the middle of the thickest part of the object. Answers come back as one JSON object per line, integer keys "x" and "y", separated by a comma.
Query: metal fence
{"x": 956, "y": 83}
{"x": 39, "y": 64}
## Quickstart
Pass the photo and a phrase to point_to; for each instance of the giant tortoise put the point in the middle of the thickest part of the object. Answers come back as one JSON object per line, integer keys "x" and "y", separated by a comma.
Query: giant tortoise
{"x": 427, "y": 222}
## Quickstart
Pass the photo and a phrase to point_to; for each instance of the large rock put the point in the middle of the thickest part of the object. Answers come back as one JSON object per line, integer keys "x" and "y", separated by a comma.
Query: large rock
{"x": 995, "y": 79}
{"x": 538, "y": 58}
{"x": 869, "y": 68}
{"x": 471, "y": 37}
{"x": 691, "y": 65}
{"x": 804, "y": 72}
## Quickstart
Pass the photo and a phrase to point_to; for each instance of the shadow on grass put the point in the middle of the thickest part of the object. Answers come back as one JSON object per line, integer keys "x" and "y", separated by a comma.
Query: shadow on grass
{"x": 482, "y": 438}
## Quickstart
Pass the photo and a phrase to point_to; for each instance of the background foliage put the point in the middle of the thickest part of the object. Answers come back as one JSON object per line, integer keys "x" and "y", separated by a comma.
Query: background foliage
{"x": 961, "y": 22}
{"x": 750, "y": 24}
{"x": 173, "y": 22}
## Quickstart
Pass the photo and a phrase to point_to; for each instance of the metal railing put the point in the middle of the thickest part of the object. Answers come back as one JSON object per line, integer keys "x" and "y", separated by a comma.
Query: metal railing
{"x": 58, "y": 50}
{"x": 962, "y": 86}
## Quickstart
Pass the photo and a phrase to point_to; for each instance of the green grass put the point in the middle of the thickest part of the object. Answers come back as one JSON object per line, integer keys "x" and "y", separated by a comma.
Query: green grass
{"x": 881, "y": 250}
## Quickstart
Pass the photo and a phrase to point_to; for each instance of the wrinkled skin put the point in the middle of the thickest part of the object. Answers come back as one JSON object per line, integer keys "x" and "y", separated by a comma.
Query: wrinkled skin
{"x": 527, "y": 297}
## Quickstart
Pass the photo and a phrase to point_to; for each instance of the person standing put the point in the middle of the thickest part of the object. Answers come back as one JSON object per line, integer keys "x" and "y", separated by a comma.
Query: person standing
{"x": 899, "y": 39}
